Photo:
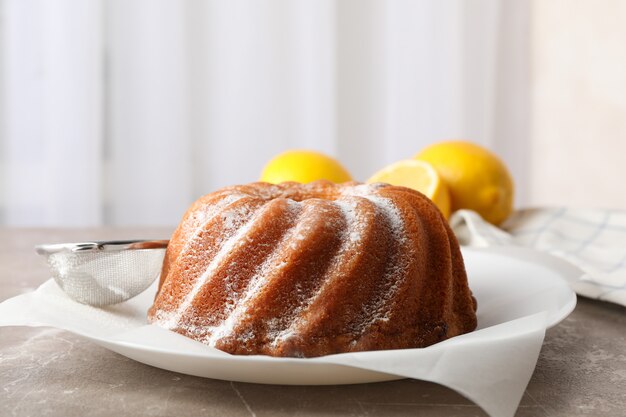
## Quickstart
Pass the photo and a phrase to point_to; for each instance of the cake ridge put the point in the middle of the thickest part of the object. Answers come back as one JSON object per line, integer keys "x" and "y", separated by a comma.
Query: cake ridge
{"x": 199, "y": 219}
{"x": 394, "y": 265}
{"x": 224, "y": 250}
{"x": 258, "y": 279}
{"x": 193, "y": 236}
{"x": 352, "y": 234}
{"x": 294, "y": 282}
{"x": 344, "y": 274}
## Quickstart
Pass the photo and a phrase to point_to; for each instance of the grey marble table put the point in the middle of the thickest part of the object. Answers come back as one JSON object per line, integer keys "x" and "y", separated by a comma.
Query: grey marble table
{"x": 48, "y": 372}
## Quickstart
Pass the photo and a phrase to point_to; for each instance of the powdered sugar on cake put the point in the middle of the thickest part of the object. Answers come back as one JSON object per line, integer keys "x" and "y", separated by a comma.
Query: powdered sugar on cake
{"x": 348, "y": 203}
{"x": 231, "y": 217}
{"x": 339, "y": 271}
{"x": 271, "y": 265}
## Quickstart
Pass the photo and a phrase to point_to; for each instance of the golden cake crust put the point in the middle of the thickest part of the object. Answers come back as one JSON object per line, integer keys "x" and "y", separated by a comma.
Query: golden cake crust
{"x": 313, "y": 269}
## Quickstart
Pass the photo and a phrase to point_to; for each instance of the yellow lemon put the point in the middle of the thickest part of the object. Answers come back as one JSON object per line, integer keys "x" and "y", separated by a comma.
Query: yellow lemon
{"x": 420, "y": 176}
{"x": 304, "y": 166}
{"x": 477, "y": 178}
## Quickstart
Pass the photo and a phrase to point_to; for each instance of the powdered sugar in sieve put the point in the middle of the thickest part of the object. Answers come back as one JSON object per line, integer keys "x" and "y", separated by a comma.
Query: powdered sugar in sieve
{"x": 101, "y": 273}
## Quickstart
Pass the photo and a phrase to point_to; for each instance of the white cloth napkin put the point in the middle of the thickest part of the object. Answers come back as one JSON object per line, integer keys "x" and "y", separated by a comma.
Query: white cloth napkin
{"x": 592, "y": 240}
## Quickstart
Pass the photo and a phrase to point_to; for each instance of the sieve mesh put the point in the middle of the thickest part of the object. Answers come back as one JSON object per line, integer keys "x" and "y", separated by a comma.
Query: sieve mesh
{"x": 106, "y": 277}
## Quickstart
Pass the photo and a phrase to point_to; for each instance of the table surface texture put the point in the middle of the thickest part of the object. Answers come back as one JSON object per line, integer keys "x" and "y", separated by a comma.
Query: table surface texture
{"x": 48, "y": 372}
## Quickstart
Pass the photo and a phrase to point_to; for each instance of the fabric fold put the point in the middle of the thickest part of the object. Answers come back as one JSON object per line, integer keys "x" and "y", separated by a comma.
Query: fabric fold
{"x": 592, "y": 240}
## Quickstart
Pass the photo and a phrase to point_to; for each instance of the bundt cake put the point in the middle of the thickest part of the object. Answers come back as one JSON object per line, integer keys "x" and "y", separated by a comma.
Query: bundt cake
{"x": 306, "y": 270}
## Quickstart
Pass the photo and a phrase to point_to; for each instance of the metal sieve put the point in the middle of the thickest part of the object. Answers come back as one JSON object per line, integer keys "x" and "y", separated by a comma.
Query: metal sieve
{"x": 101, "y": 273}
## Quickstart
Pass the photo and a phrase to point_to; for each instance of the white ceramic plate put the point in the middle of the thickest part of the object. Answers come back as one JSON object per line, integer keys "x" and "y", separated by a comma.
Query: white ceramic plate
{"x": 511, "y": 285}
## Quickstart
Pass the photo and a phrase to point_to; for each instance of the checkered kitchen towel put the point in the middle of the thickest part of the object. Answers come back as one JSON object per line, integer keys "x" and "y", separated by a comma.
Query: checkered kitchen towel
{"x": 593, "y": 240}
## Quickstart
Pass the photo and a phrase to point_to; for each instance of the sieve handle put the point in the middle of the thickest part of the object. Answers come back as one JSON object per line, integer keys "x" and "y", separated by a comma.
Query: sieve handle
{"x": 100, "y": 246}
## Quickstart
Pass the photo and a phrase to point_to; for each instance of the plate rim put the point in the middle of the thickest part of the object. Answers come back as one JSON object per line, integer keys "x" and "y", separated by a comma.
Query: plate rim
{"x": 565, "y": 271}
{"x": 564, "y": 275}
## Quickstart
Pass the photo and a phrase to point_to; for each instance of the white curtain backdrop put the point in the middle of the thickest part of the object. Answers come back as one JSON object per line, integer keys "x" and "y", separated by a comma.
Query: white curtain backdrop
{"x": 124, "y": 111}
